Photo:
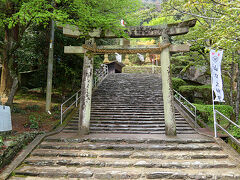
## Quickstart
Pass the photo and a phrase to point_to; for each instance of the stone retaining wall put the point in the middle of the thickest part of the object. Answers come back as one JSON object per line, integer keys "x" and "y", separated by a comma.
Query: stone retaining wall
{"x": 15, "y": 146}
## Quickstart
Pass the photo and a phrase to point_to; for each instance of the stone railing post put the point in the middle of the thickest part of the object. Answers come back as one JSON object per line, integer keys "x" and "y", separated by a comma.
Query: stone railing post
{"x": 86, "y": 92}
{"x": 169, "y": 111}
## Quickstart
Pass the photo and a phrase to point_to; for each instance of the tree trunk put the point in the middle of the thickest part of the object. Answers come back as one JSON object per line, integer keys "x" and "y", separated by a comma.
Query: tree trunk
{"x": 6, "y": 79}
{"x": 238, "y": 94}
{"x": 231, "y": 83}
{"x": 9, "y": 67}
{"x": 12, "y": 92}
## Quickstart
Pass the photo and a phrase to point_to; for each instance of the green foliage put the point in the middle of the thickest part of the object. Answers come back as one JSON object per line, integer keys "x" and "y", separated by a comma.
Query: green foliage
{"x": 235, "y": 131}
{"x": 161, "y": 21}
{"x": 16, "y": 109}
{"x": 18, "y": 143}
{"x": 206, "y": 112}
{"x": 1, "y": 141}
{"x": 177, "y": 82}
{"x": 55, "y": 108}
{"x": 26, "y": 43}
{"x": 33, "y": 107}
{"x": 33, "y": 122}
{"x": 204, "y": 92}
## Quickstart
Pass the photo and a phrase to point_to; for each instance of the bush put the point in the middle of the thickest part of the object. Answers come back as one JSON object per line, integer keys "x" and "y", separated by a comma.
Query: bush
{"x": 16, "y": 109}
{"x": 177, "y": 82}
{"x": 56, "y": 108}
{"x": 235, "y": 131}
{"x": 33, "y": 122}
{"x": 190, "y": 91}
{"x": 33, "y": 107}
{"x": 205, "y": 112}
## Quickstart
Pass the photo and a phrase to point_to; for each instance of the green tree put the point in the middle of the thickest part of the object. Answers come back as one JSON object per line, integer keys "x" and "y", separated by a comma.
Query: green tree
{"x": 16, "y": 16}
{"x": 217, "y": 27}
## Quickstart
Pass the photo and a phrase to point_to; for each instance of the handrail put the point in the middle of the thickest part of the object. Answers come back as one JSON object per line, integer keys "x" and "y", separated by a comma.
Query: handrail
{"x": 194, "y": 114}
{"x": 235, "y": 139}
{"x": 76, "y": 96}
{"x": 100, "y": 73}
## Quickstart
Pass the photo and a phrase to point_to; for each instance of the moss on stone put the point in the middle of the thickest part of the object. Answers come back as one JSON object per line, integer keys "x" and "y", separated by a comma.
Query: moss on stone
{"x": 177, "y": 82}
{"x": 191, "y": 92}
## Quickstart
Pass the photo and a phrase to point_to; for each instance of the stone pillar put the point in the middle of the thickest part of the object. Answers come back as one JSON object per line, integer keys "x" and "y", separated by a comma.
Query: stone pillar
{"x": 86, "y": 92}
{"x": 169, "y": 111}
{"x": 125, "y": 43}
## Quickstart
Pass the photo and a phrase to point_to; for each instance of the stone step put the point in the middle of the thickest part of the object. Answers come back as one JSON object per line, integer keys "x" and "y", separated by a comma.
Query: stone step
{"x": 94, "y": 128}
{"x": 127, "y": 99}
{"x": 127, "y": 102}
{"x": 133, "y": 122}
{"x": 130, "y": 155}
{"x": 125, "y": 109}
{"x": 137, "y": 129}
{"x": 132, "y": 118}
{"x": 132, "y": 132}
{"x": 117, "y": 104}
{"x": 99, "y": 110}
{"x": 129, "y": 140}
{"x": 128, "y": 107}
{"x": 123, "y": 95}
{"x": 119, "y": 147}
{"x": 119, "y": 162}
{"x": 127, "y": 125}
{"x": 177, "y": 114}
{"x": 63, "y": 172}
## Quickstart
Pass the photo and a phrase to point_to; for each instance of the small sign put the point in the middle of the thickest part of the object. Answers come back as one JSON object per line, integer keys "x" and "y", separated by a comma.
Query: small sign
{"x": 5, "y": 119}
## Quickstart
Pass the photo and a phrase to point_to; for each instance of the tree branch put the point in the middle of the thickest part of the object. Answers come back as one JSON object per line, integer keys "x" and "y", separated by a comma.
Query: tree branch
{"x": 218, "y": 3}
{"x": 195, "y": 15}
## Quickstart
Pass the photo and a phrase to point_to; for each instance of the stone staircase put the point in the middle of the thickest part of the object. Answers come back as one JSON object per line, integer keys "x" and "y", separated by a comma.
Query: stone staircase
{"x": 130, "y": 103}
{"x": 127, "y": 141}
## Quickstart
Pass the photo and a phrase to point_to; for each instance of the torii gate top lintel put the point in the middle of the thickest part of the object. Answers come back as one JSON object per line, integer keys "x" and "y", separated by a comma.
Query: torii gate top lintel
{"x": 137, "y": 31}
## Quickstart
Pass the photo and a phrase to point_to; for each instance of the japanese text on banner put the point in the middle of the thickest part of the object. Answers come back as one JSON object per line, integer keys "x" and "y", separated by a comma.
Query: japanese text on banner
{"x": 217, "y": 85}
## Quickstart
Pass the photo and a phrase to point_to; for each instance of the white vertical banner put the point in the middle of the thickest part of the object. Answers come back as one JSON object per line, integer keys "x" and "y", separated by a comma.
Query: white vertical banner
{"x": 216, "y": 75}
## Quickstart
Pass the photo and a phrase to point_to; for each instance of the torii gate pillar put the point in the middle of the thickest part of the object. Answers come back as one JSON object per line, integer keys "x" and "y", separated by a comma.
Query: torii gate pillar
{"x": 86, "y": 92}
{"x": 169, "y": 111}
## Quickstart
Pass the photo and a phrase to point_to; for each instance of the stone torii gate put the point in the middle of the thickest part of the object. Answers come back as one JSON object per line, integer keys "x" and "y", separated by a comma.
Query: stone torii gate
{"x": 165, "y": 48}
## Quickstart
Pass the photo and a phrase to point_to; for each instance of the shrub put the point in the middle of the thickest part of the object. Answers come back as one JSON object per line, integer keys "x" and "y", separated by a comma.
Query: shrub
{"x": 205, "y": 112}
{"x": 33, "y": 122}
{"x": 16, "y": 109}
{"x": 177, "y": 82}
{"x": 204, "y": 92}
{"x": 33, "y": 107}
{"x": 56, "y": 108}
{"x": 235, "y": 131}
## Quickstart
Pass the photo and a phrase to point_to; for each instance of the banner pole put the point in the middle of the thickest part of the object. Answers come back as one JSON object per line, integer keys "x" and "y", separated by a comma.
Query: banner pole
{"x": 214, "y": 116}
